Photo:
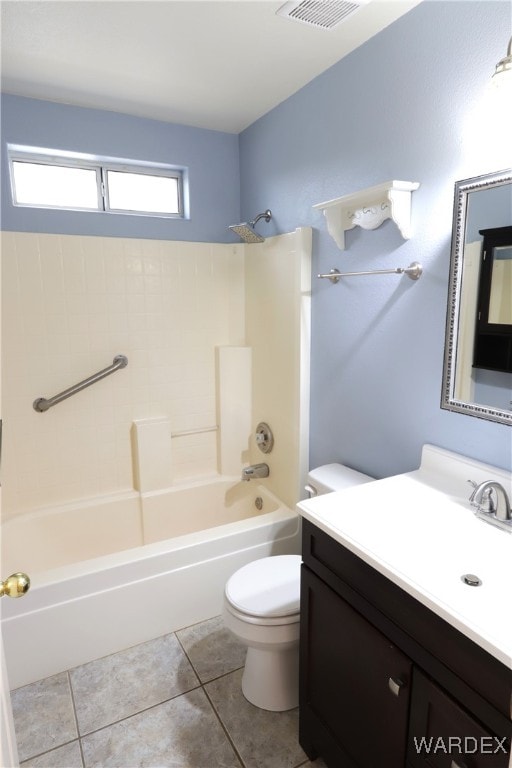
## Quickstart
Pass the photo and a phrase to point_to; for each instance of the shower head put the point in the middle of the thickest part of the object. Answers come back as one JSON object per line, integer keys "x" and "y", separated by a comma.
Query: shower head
{"x": 246, "y": 230}
{"x": 247, "y": 234}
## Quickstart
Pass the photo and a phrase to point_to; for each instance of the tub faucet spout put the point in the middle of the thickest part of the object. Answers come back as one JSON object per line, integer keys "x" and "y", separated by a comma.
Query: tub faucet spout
{"x": 255, "y": 471}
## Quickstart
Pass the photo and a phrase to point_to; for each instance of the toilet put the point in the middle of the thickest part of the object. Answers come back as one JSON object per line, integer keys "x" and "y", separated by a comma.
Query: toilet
{"x": 262, "y": 609}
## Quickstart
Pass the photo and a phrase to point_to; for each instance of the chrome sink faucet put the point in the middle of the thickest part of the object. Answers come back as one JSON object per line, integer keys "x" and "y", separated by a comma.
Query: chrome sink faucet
{"x": 497, "y": 512}
{"x": 255, "y": 471}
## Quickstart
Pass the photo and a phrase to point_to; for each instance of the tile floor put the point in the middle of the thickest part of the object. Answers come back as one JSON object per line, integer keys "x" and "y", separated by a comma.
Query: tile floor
{"x": 173, "y": 702}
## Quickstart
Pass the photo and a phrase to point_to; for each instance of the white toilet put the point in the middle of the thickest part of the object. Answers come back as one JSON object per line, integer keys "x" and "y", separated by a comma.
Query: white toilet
{"x": 262, "y": 609}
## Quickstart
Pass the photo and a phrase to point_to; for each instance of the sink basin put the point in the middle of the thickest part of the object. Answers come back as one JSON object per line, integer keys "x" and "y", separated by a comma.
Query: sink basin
{"x": 420, "y": 531}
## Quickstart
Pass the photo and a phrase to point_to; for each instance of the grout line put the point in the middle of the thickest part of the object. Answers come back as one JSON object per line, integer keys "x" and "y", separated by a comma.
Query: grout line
{"x": 158, "y": 704}
{"x": 144, "y": 709}
{"x": 75, "y": 716}
{"x": 200, "y": 684}
{"x": 216, "y": 714}
{"x": 224, "y": 727}
{"x": 194, "y": 670}
{"x": 141, "y": 711}
{"x": 224, "y": 674}
{"x": 210, "y": 680}
{"x": 47, "y": 751}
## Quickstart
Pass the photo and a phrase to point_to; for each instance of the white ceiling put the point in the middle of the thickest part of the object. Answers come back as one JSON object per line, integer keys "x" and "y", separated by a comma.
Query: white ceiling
{"x": 207, "y": 63}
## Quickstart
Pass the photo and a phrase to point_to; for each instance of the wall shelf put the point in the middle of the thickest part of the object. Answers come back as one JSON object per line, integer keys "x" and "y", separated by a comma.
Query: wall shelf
{"x": 369, "y": 208}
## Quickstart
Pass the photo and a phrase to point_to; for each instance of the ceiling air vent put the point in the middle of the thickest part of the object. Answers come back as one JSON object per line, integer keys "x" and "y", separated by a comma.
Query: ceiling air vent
{"x": 325, "y": 14}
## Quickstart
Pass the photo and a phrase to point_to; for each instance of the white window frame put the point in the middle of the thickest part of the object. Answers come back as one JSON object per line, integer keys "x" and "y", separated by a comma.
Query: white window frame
{"x": 147, "y": 170}
{"x": 100, "y": 165}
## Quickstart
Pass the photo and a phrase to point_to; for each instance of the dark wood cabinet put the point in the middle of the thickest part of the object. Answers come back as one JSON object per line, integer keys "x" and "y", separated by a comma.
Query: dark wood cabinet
{"x": 443, "y": 735}
{"x": 384, "y": 682}
{"x": 365, "y": 701}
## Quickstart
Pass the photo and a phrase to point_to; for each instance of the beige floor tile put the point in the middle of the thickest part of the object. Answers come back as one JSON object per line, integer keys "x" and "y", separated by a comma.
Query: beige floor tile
{"x": 43, "y": 715}
{"x": 263, "y": 739}
{"x": 127, "y": 682}
{"x": 212, "y": 649}
{"x": 181, "y": 733}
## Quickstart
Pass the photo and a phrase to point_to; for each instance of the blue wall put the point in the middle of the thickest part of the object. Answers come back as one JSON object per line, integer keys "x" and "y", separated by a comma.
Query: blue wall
{"x": 412, "y": 103}
{"x": 210, "y": 156}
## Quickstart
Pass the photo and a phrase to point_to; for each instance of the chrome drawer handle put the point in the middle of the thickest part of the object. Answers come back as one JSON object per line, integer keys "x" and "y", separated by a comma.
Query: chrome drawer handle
{"x": 395, "y": 685}
{"x": 454, "y": 764}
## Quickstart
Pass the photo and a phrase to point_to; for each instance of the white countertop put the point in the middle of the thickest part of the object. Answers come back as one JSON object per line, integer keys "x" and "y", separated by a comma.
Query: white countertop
{"x": 420, "y": 531}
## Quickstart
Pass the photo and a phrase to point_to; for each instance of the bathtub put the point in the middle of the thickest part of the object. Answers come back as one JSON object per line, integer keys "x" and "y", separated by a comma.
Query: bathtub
{"x": 179, "y": 547}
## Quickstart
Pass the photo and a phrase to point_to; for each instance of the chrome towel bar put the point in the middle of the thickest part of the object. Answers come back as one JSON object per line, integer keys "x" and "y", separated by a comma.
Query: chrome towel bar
{"x": 43, "y": 404}
{"x": 413, "y": 271}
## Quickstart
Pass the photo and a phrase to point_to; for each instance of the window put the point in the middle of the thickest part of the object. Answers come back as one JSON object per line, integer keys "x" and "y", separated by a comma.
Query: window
{"x": 73, "y": 182}
{"x": 54, "y": 186}
{"x": 152, "y": 193}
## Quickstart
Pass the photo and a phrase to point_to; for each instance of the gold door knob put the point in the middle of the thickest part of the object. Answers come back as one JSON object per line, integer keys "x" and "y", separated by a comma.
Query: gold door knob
{"x": 15, "y": 585}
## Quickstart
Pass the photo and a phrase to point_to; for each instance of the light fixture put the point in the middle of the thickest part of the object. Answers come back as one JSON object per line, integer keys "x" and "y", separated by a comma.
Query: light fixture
{"x": 503, "y": 73}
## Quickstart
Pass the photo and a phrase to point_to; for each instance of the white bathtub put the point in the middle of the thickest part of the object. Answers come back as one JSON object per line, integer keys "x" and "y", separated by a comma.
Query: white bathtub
{"x": 195, "y": 537}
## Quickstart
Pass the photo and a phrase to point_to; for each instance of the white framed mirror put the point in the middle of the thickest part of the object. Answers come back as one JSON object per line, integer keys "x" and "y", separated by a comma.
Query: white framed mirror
{"x": 481, "y": 203}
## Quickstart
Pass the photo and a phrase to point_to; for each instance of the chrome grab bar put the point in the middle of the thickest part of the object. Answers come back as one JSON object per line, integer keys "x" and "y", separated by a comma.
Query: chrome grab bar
{"x": 413, "y": 271}
{"x": 43, "y": 404}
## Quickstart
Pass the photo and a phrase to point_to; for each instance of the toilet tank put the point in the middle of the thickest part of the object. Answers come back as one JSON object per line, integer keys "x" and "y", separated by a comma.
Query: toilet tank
{"x": 333, "y": 477}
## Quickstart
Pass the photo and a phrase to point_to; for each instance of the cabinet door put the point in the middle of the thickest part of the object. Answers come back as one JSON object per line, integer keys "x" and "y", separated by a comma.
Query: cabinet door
{"x": 353, "y": 679}
{"x": 443, "y": 735}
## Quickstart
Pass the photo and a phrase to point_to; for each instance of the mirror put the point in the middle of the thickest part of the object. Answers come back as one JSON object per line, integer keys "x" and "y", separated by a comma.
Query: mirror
{"x": 470, "y": 386}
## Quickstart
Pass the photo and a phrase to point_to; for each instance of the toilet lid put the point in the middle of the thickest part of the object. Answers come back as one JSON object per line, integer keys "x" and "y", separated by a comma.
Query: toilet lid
{"x": 267, "y": 587}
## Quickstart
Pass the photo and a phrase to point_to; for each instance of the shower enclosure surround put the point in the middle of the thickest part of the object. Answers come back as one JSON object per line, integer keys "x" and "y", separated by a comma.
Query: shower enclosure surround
{"x": 135, "y": 481}
{"x": 67, "y": 302}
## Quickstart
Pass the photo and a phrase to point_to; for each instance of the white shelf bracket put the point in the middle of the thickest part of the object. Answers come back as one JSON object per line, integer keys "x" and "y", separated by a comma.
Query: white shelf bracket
{"x": 369, "y": 208}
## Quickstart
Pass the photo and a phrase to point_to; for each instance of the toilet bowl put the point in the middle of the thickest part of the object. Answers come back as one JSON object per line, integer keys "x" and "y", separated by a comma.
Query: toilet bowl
{"x": 262, "y": 609}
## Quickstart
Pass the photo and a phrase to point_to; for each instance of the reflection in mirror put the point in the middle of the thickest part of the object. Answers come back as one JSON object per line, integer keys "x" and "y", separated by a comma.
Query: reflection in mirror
{"x": 493, "y": 335}
{"x": 500, "y": 302}
{"x": 483, "y": 390}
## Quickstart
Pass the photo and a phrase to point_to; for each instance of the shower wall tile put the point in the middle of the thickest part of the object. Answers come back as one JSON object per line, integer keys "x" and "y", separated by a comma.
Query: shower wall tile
{"x": 69, "y": 305}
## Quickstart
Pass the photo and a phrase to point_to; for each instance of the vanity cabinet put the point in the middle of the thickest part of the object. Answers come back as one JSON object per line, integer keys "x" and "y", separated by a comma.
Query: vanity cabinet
{"x": 435, "y": 714}
{"x": 385, "y": 682}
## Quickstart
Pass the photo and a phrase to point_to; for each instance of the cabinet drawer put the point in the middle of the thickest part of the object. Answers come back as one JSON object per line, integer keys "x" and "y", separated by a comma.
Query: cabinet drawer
{"x": 443, "y": 735}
